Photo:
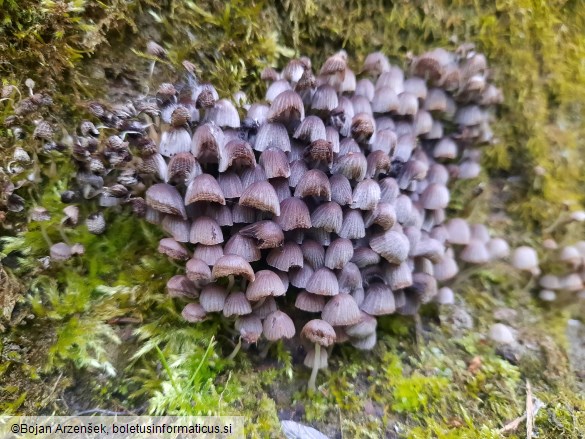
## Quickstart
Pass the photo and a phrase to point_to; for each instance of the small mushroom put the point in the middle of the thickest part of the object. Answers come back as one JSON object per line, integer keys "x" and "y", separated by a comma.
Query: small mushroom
{"x": 321, "y": 334}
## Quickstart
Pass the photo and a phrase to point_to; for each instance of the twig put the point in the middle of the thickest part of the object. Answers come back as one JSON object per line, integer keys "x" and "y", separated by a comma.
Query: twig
{"x": 529, "y": 411}
{"x": 101, "y": 412}
{"x": 53, "y": 389}
{"x": 532, "y": 408}
{"x": 512, "y": 425}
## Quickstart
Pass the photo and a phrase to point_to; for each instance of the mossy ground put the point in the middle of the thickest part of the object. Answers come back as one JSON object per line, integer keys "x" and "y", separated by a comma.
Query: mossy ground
{"x": 99, "y": 332}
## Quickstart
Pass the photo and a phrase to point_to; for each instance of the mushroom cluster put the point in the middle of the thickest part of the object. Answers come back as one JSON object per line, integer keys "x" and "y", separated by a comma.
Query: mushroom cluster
{"x": 569, "y": 283}
{"x": 25, "y": 118}
{"x": 324, "y": 206}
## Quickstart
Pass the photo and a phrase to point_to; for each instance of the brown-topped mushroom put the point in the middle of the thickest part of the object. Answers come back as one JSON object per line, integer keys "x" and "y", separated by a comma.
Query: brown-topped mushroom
{"x": 321, "y": 334}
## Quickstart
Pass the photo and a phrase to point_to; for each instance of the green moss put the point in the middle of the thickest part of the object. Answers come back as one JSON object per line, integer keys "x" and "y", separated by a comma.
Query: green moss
{"x": 167, "y": 366}
{"x": 45, "y": 39}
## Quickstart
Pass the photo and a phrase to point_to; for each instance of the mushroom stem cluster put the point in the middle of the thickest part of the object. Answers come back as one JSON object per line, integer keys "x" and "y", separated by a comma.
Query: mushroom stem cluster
{"x": 325, "y": 202}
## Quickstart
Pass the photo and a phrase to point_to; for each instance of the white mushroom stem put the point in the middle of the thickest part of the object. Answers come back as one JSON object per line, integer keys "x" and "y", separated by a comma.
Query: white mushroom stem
{"x": 231, "y": 283}
{"x": 151, "y": 70}
{"x": 259, "y": 303}
{"x": 316, "y": 361}
{"x": 236, "y": 349}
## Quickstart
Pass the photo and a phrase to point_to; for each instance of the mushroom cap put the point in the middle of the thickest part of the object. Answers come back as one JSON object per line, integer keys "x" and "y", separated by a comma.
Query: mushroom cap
{"x": 166, "y": 198}
{"x": 275, "y": 163}
{"x": 212, "y": 297}
{"x": 392, "y": 246}
{"x": 328, "y": 216}
{"x": 366, "y": 326}
{"x": 547, "y": 295}
{"x": 341, "y": 191}
{"x": 223, "y": 114}
{"x": 364, "y": 257}
{"x": 445, "y": 269}
{"x": 238, "y": 152}
{"x": 206, "y": 231}
{"x": 366, "y": 343}
{"x": 458, "y": 231}
{"x": 310, "y": 129}
{"x": 475, "y": 252}
{"x": 262, "y": 196}
{"x": 235, "y": 265}
{"x": 309, "y": 302}
{"x": 314, "y": 253}
{"x": 300, "y": 276}
{"x": 379, "y": 300}
{"x": 571, "y": 282}
{"x": 267, "y": 234}
{"x": 236, "y": 304}
{"x": 266, "y": 283}
{"x": 398, "y": 277}
{"x": 323, "y": 282}
{"x": 498, "y": 248}
{"x": 286, "y": 108}
{"x": 208, "y": 253}
{"x": 501, "y": 333}
{"x": 243, "y": 214}
{"x": 181, "y": 286}
{"x": 341, "y": 310}
{"x": 446, "y": 148}
{"x": 278, "y": 86}
{"x": 570, "y": 254}
{"x": 480, "y": 232}
{"x": 293, "y": 214}
{"x": 435, "y": 196}
{"x": 285, "y": 257}
{"x": 525, "y": 258}
{"x": 352, "y": 226}
{"x": 339, "y": 253}
{"x": 183, "y": 167}
{"x": 550, "y": 282}
{"x": 314, "y": 183}
{"x": 198, "y": 271}
{"x": 278, "y": 325}
{"x": 424, "y": 286}
{"x": 349, "y": 278}
{"x": 172, "y": 249}
{"x": 298, "y": 168}
{"x": 193, "y": 313}
{"x": 251, "y": 175}
{"x": 320, "y": 332}
{"x": 272, "y": 135}
{"x": 352, "y": 166}
{"x": 204, "y": 187}
{"x": 250, "y": 327}
{"x": 366, "y": 195}
{"x": 445, "y": 296}
{"x": 242, "y": 246}
{"x": 177, "y": 227}
{"x": 265, "y": 307}
{"x": 60, "y": 251}
{"x": 230, "y": 184}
